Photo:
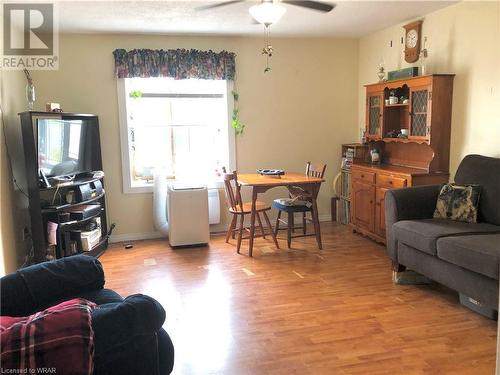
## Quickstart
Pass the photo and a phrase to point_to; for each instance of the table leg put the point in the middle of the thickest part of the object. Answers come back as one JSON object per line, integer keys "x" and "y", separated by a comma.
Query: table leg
{"x": 260, "y": 226}
{"x": 271, "y": 230}
{"x": 252, "y": 221}
{"x": 315, "y": 217}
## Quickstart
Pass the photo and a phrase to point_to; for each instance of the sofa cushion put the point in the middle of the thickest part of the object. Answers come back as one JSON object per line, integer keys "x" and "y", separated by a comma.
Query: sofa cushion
{"x": 42, "y": 285}
{"x": 423, "y": 234}
{"x": 479, "y": 253}
{"x": 60, "y": 337}
{"x": 102, "y": 296}
{"x": 484, "y": 171}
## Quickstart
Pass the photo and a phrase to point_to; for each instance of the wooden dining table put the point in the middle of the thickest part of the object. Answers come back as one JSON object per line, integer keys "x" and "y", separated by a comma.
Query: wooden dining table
{"x": 262, "y": 183}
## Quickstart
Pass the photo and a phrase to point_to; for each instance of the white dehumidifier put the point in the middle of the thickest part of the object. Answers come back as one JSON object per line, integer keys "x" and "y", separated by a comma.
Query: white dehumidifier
{"x": 187, "y": 214}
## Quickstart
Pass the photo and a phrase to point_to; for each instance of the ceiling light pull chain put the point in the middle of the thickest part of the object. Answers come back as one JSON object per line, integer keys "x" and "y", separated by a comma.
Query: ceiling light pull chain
{"x": 268, "y": 49}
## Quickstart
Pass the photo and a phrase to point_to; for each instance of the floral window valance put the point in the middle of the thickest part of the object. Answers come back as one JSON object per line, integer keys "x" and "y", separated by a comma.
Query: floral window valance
{"x": 175, "y": 63}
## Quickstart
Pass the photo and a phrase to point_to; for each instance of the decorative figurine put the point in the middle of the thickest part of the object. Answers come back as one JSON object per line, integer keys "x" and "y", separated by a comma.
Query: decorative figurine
{"x": 375, "y": 156}
{"x": 381, "y": 72}
{"x": 30, "y": 90}
{"x": 423, "y": 59}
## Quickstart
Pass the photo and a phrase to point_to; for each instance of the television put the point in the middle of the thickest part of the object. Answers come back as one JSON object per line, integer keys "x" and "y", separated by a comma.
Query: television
{"x": 64, "y": 146}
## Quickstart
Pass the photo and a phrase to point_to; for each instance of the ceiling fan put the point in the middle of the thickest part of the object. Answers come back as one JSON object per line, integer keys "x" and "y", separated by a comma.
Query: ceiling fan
{"x": 269, "y": 12}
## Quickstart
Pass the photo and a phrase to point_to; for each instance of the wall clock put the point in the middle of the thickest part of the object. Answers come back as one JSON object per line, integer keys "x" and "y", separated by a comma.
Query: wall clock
{"x": 412, "y": 41}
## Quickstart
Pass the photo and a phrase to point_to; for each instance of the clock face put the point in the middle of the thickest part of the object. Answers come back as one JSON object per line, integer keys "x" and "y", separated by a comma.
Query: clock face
{"x": 411, "y": 38}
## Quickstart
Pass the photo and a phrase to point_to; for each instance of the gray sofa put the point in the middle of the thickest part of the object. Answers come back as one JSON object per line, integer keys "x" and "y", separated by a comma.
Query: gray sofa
{"x": 463, "y": 256}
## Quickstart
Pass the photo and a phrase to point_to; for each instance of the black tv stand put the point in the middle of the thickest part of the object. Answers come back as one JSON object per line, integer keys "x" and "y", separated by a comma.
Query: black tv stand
{"x": 67, "y": 196}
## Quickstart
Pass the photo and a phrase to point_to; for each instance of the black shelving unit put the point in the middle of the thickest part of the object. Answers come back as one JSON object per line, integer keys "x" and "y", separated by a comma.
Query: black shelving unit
{"x": 57, "y": 213}
{"x": 49, "y": 203}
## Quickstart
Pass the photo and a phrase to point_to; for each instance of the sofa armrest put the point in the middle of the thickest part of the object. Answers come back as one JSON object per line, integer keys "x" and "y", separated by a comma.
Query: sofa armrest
{"x": 126, "y": 339}
{"x": 407, "y": 204}
{"x": 41, "y": 285}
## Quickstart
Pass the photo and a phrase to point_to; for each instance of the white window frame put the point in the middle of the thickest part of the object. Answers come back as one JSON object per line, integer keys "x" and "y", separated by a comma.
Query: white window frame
{"x": 125, "y": 145}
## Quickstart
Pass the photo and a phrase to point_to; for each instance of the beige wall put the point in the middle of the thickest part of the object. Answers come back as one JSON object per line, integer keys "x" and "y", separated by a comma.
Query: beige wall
{"x": 304, "y": 109}
{"x": 463, "y": 39}
{"x": 309, "y": 104}
{"x": 12, "y": 101}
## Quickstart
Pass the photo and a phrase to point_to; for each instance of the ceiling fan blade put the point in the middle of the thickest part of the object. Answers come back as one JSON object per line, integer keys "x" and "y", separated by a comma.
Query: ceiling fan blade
{"x": 218, "y": 5}
{"x": 315, "y": 5}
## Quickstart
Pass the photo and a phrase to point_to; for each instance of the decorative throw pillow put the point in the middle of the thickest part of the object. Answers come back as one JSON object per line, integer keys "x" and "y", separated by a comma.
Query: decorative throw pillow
{"x": 58, "y": 340}
{"x": 458, "y": 202}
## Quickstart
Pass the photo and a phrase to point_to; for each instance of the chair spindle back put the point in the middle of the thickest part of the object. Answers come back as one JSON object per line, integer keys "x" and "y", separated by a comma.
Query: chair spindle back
{"x": 315, "y": 170}
{"x": 232, "y": 189}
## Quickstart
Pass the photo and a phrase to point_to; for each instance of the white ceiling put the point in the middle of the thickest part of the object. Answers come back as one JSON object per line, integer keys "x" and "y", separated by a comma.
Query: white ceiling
{"x": 348, "y": 19}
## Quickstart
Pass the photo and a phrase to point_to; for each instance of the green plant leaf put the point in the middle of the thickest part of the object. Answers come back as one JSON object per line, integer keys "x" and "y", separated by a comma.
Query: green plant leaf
{"x": 135, "y": 94}
{"x": 235, "y": 119}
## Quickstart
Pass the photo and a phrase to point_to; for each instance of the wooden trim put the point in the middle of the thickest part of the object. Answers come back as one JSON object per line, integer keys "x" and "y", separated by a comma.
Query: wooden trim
{"x": 379, "y": 86}
{"x": 414, "y": 24}
{"x": 396, "y": 170}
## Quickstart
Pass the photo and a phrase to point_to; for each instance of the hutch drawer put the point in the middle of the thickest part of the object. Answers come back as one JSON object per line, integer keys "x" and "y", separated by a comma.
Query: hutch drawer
{"x": 389, "y": 181}
{"x": 363, "y": 176}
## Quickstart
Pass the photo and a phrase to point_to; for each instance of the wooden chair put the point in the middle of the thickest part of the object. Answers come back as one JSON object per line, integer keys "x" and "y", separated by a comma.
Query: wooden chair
{"x": 238, "y": 208}
{"x": 312, "y": 170}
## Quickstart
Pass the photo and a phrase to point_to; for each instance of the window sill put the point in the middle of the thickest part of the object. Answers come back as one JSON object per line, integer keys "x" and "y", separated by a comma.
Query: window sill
{"x": 147, "y": 188}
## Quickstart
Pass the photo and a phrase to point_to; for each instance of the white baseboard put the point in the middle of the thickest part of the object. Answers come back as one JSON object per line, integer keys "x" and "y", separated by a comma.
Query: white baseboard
{"x": 135, "y": 237}
{"x": 216, "y": 228}
{"x": 325, "y": 217}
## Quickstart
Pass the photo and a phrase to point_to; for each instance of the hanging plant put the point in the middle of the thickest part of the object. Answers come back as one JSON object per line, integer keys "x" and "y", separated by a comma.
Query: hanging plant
{"x": 135, "y": 94}
{"x": 268, "y": 52}
{"x": 237, "y": 125}
{"x": 268, "y": 49}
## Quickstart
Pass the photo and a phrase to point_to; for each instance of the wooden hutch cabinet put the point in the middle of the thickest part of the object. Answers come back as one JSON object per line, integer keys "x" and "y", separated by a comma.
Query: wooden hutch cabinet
{"x": 421, "y": 157}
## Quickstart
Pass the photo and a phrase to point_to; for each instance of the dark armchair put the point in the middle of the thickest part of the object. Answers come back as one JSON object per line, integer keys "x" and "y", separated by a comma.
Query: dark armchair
{"x": 128, "y": 334}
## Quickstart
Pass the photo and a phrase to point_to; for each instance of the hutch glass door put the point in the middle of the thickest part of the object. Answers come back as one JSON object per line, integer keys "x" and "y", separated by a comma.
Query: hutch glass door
{"x": 420, "y": 113}
{"x": 374, "y": 115}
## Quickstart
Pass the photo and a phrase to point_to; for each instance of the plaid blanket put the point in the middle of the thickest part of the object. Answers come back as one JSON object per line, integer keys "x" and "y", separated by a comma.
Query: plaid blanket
{"x": 58, "y": 340}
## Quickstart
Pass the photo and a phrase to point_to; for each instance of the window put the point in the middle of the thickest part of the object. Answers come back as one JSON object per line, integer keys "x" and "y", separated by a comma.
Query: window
{"x": 180, "y": 126}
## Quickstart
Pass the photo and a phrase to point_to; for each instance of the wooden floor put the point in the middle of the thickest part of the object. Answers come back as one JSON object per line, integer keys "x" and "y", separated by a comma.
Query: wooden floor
{"x": 301, "y": 311}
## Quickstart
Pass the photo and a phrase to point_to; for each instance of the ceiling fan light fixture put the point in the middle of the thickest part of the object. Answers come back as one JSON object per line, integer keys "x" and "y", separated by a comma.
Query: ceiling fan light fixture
{"x": 267, "y": 13}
